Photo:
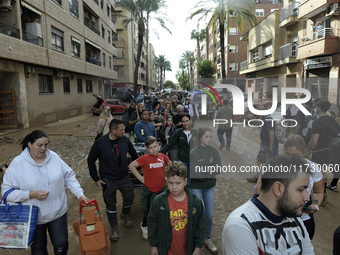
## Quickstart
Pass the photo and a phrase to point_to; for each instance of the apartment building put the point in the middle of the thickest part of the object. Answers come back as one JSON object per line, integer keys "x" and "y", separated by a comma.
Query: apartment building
{"x": 304, "y": 50}
{"x": 54, "y": 54}
{"x": 319, "y": 47}
{"x": 263, "y": 8}
{"x": 126, "y": 40}
{"x": 272, "y": 51}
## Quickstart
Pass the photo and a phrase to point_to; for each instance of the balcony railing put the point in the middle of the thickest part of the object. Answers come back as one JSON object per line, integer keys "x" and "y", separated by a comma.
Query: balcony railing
{"x": 32, "y": 38}
{"x": 291, "y": 9}
{"x": 95, "y": 62}
{"x": 288, "y": 50}
{"x": 325, "y": 32}
{"x": 9, "y": 30}
{"x": 244, "y": 65}
{"x": 87, "y": 23}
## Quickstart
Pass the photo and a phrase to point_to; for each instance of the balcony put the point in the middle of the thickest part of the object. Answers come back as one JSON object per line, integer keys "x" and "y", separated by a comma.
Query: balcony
{"x": 9, "y": 30}
{"x": 118, "y": 61}
{"x": 90, "y": 26}
{"x": 32, "y": 38}
{"x": 289, "y": 14}
{"x": 288, "y": 51}
{"x": 94, "y": 62}
{"x": 244, "y": 65}
{"x": 322, "y": 42}
{"x": 119, "y": 25}
{"x": 311, "y": 8}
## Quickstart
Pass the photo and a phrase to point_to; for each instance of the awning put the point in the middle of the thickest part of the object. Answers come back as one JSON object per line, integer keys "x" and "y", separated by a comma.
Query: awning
{"x": 30, "y": 7}
{"x": 75, "y": 40}
{"x": 93, "y": 44}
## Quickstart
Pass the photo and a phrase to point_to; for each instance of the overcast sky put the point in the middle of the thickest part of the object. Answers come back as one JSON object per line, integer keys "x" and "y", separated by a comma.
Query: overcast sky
{"x": 172, "y": 46}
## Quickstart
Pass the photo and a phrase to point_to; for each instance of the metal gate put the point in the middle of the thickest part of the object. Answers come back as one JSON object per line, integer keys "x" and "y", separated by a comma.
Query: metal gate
{"x": 8, "y": 115}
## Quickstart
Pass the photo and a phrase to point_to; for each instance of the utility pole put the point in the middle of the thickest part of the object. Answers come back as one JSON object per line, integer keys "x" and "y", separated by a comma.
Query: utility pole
{"x": 236, "y": 65}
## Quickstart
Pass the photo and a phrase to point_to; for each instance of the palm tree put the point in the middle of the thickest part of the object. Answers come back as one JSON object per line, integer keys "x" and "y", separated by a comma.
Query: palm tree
{"x": 221, "y": 10}
{"x": 188, "y": 59}
{"x": 141, "y": 11}
{"x": 199, "y": 36}
{"x": 164, "y": 65}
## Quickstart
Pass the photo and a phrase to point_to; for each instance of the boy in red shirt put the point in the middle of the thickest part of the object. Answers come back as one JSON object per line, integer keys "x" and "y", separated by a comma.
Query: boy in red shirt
{"x": 176, "y": 221}
{"x": 153, "y": 165}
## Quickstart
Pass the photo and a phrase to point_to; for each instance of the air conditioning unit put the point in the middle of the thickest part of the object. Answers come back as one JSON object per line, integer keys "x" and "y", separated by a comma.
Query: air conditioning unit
{"x": 58, "y": 73}
{"x": 333, "y": 9}
{"x": 93, "y": 19}
{"x": 5, "y": 5}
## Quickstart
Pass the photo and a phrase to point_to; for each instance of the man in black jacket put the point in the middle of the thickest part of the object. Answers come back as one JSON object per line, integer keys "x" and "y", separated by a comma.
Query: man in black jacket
{"x": 111, "y": 150}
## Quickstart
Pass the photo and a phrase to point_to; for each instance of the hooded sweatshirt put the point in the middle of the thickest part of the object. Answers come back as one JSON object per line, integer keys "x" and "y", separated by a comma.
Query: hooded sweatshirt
{"x": 25, "y": 175}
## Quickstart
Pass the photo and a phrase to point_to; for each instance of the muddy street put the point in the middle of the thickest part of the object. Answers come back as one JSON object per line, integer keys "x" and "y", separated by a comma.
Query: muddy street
{"x": 72, "y": 140}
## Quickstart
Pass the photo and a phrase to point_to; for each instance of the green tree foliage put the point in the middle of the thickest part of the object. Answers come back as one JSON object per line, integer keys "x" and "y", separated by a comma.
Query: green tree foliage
{"x": 206, "y": 69}
{"x": 199, "y": 36}
{"x": 182, "y": 78}
{"x": 169, "y": 84}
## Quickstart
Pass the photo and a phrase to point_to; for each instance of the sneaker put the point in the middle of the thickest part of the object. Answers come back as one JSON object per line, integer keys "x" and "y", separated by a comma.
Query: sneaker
{"x": 115, "y": 234}
{"x": 253, "y": 179}
{"x": 210, "y": 246}
{"x": 333, "y": 188}
{"x": 221, "y": 146}
{"x": 227, "y": 148}
{"x": 127, "y": 220}
{"x": 144, "y": 231}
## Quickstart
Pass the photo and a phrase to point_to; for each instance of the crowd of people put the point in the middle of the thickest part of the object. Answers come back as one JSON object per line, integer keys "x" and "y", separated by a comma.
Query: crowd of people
{"x": 177, "y": 200}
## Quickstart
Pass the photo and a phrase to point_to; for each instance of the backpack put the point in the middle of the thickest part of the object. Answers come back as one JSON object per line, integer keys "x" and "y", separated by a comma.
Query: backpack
{"x": 125, "y": 118}
{"x": 306, "y": 128}
{"x": 281, "y": 133}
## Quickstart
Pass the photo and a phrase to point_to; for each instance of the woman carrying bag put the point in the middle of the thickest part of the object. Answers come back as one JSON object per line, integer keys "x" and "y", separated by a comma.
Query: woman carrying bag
{"x": 39, "y": 176}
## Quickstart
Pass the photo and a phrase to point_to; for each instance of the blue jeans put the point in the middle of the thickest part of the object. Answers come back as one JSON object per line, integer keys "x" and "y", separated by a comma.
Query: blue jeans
{"x": 228, "y": 132}
{"x": 187, "y": 165}
{"x": 208, "y": 200}
{"x": 58, "y": 232}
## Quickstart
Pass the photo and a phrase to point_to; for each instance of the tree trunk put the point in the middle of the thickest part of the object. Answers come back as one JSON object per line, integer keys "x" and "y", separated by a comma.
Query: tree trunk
{"x": 147, "y": 58}
{"x": 224, "y": 76}
{"x": 189, "y": 77}
{"x": 183, "y": 79}
{"x": 141, "y": 31}
{"x": 198, "y": 49}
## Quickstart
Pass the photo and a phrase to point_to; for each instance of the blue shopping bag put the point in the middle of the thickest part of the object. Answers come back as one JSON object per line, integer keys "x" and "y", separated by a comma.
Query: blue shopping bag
{"x": 17, "y": 223}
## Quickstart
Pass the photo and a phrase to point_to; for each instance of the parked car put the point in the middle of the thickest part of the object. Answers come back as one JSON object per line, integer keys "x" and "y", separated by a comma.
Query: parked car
{"x": 116, "y": 106}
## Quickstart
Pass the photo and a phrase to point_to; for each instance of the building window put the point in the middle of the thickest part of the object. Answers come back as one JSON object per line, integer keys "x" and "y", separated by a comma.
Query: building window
{"x": 75, "y": 44}
{"x": 66, "y": 84}
{"x": 255, "y": 55}
{"x": 80, "y": 85}
{"x": 232, "y": 67}
{"x": 57, "y": 39}
{"x": 108, "y": 36}
{"x": 103, "y": 59}
{"x": 102, "y": 4}
{"x": 274, "y": 1}
{"x": 57, "y": 1}
{"x": 110, "y": 62}
{"x": 134, "y": 43}
{"x": 89, "y": 86}
{"x": 232, "y": 49}
{"x": 74, "y": 8}
{"x": 267, "y": 52}
{"x": 108, "y": 11}
{"x": 233, "y": 31}
{"x": 45, "y": 83}
{"x": 103, "y": 31}
{"x": 259, "y": 12}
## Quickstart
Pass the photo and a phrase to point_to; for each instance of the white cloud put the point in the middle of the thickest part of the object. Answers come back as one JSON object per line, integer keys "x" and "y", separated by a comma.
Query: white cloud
{"x": 172, "y": 46}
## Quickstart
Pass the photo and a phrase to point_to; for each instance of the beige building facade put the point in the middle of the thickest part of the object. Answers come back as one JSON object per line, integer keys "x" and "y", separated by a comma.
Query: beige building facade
{"x": 54, "y": 54}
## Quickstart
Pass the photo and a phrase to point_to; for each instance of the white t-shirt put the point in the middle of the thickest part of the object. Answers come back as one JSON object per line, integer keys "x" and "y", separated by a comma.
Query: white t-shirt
{"x": 249, "y": 231}
{"x": 317, "y": 176}
{"x": 187, "y": 134}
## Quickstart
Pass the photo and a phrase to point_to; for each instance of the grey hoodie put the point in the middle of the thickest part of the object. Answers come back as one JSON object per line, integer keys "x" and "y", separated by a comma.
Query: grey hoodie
{"x": 25, "y": 175}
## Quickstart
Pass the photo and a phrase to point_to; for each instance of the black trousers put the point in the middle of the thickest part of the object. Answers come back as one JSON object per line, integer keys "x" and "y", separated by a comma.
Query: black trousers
{"x": 125, "y": 187}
